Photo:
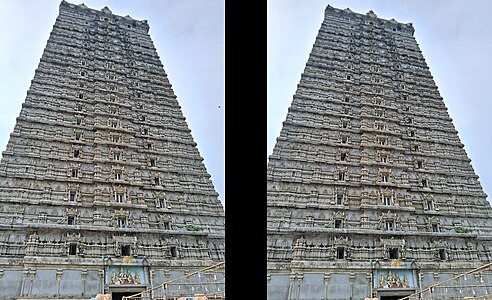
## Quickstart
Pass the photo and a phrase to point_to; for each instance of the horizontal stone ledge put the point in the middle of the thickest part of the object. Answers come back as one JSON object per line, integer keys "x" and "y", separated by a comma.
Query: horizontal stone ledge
{"x": 372, "y": 232}
{"x": 83, "y": 228}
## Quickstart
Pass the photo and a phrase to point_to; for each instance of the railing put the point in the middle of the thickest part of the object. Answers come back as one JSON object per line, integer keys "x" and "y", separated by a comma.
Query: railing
{"x": 472, "y": 285}
{"x": 207, "y": 283}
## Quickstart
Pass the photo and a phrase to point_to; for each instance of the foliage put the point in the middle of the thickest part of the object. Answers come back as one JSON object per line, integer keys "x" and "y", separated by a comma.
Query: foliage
{"x": 462, "y": 229}
{"x": 192, "y": 228}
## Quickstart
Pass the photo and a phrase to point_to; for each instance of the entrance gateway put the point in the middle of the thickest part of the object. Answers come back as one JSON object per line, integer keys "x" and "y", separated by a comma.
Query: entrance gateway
{"x": 126, "y": 276}
{"x": 392, "y": 297}
{"x": 394, "y": 279}
{"x": 118, "y": 294}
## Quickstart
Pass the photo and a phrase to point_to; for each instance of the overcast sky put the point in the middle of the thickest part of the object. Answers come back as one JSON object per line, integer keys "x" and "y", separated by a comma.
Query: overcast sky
{"x": 188, "y": 36}
{"x": 454, "y": 36}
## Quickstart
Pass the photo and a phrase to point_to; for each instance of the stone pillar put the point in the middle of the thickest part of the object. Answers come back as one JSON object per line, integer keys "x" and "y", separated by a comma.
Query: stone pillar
{"x": 25, "y": 274}
{"x": 84, "y": 278}
{"x": 436, "y": 276}
{"x": 293, "y": 278}
{"x": 101, "y": 280}
{"x": 369, "y": 284}
{"x": 299, "y": 280}
{"x": 326, "y": 282}
{"x": 351, "y": 282}
{"x": 152, "y": 276}
{"x": 32, "y": 274}
{"x": 59, "y": 273}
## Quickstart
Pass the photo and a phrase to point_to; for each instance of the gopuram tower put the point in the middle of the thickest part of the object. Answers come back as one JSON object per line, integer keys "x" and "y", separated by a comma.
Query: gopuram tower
{"x": 102, "y": 188}
{"x": 370, "y": 192}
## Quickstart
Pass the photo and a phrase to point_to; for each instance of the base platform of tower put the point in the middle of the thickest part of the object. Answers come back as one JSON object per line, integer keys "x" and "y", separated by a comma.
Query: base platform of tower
{"x": 102, "y": 188}
{"x": 370, "y": 193}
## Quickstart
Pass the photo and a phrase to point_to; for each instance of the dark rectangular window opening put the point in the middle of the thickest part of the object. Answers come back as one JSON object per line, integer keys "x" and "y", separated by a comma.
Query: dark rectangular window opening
{"x": 72, "y": 196}
{"x": 120, "y": 198}
{"x": 338, "y": 223}
{"x": 442, "y": 254}
{"x": 343, "y": 156}
{"x": 340, "y": 253}
{"x": 174, "y": 252}
{"x": 430, "y": 205}
{"x": 435, "y": 228}
{"x": 339, "y": 200}
{"x": 125, "y": 250}
{"x": 70, "y": 220}
{"x": 72, "y": 249}
{"x": 393, "y": 253}
{"x": 384, "y": 178}
{"x": 390, "y": 225}
{"x": 167, "y": 226}
{"x": 341, "y": 176}
{"x": 122, "y": 223}
{"x": 76, "y": 153}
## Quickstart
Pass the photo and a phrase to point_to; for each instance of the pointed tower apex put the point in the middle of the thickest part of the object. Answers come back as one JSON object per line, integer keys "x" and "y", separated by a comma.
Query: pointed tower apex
{"x": 371, "y": 14}
{"x": 106, "y": 10}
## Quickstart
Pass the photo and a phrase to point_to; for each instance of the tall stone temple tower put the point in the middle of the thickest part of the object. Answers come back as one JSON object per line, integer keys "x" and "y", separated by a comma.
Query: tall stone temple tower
{"x": 102, "y": 188}
{"x": 370, "y": 191}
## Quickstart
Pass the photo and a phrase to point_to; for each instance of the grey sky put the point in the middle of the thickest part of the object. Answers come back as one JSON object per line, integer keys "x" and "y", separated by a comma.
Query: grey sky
{"x": 188, "y": 35}
{"x": 454, "y": 36}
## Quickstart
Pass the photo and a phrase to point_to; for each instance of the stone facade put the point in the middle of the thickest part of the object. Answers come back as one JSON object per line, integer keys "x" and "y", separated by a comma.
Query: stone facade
{"x": 370, "y": 192}
{"x": 101, "y": 173}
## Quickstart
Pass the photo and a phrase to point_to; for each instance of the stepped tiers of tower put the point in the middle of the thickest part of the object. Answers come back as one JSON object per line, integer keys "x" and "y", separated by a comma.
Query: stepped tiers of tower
{"x": 101, "y": 172}
{"x": 369, "y": 185}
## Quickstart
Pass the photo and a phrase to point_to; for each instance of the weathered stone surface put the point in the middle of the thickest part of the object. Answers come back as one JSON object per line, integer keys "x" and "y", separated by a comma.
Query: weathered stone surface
{"x": 368, "y": 173}
{"x": 101, "y": 165}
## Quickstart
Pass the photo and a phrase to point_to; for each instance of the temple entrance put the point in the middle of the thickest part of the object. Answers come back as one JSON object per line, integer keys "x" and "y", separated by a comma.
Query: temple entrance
{"x": 119, "y": 296}
{"x": 389, "y": 297}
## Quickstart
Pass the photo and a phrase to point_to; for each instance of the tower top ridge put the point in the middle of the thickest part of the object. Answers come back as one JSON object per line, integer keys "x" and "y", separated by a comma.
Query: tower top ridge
{"x": 105, "y": 13}
{"x": 370, "y": 16}
{"x": 106, "y": 10}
